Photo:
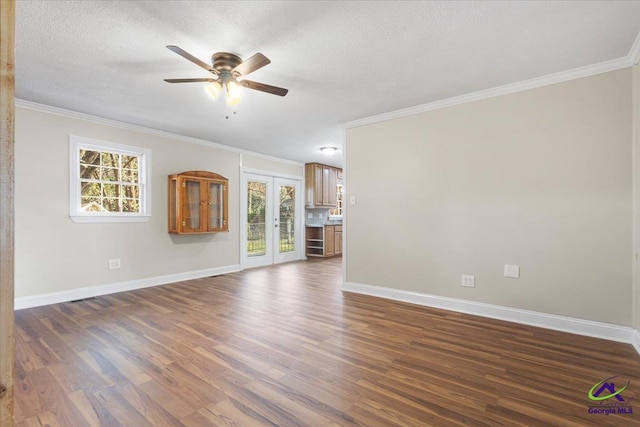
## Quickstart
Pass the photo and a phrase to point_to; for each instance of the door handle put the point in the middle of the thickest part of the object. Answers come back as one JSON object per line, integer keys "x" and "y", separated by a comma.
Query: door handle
{"x": 3, "y": 390}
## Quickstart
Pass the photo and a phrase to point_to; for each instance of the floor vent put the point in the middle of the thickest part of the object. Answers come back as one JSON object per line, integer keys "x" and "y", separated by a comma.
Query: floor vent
{"x": 83, "y": 299}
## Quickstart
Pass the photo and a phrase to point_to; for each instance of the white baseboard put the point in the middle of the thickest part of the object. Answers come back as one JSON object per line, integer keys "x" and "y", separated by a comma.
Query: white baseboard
{"x": 94, "y": 291}
{"x": 635, "y": 340}
{"x": 550, "y": 321}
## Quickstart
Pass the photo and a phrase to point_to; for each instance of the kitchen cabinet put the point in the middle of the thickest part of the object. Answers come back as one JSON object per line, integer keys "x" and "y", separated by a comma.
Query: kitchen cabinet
{"x": 329, "y": 240}
{"x": 198, "y": 203}
{"x": 321, "y": 186}
{"x": 338, "y": 240}
{"x": 323, "y": 241}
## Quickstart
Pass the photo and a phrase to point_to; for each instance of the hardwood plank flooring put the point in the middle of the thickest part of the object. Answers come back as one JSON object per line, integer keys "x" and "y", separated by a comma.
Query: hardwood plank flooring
{"x": 283, "y": 346}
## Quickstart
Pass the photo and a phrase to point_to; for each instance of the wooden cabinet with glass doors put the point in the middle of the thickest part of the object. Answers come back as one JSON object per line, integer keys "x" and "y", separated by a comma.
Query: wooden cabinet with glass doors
{"x": 198, "y": 203}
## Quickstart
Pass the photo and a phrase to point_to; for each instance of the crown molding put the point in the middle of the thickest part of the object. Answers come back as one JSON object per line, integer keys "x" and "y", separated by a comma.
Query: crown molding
{"x": 634, "y": 52}
{"x": 142, "y": 129}
{"x": 563, "y": 76}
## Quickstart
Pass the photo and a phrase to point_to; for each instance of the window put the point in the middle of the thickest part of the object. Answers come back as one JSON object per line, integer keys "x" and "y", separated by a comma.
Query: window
{"x": 108, "y": 182}
{"x": 337, "y": 212}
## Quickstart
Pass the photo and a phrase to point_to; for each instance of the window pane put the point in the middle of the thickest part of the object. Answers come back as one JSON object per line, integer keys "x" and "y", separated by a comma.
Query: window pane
{"x": 129, "y": 175}
{"x": 256, "y": 225}
{"x": 131, "y": 191}
{"x": 130, "y": 162}
{"x": 287, "y": 218}
{"x": 110, "y": 159}
{"x": 130, "y": 205}
{"x": 90, "y": 157}
{"x": 110, "y": 190}
{"x": 109, "y": 174}
{"x": 108, "y": 178}
{"x": 90, "y": 189}
{"x": 111, "y": 205}
{"x": 89, "y": 172}
{"x": 91, "y": 204}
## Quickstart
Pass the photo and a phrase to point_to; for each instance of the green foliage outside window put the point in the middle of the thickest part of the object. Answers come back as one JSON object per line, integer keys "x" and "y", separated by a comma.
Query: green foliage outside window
{"x": 109, "y": 182}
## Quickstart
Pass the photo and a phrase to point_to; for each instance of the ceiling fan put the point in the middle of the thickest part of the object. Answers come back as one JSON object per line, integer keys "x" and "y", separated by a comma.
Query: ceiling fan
{"x": 227, "y": 68}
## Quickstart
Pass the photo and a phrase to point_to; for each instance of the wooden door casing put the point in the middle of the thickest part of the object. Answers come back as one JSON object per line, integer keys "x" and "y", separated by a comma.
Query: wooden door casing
{"x": 7, "y": 176}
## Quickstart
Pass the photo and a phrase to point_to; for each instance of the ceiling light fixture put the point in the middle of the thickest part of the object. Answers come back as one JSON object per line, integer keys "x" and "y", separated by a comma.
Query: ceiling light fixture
{"x": 328, "y": 151}
{"x": 213, "y": 89}
{"x": 227, "y": 68}
{"x": 232, "y": 88}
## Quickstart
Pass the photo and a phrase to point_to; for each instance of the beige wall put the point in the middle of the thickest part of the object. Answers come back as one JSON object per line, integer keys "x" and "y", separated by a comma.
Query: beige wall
{"x": 54, "y": 254}
{"x": 541, "y": 179}
{"x": 266, "y": 164}
{"x": 636, "y": 136}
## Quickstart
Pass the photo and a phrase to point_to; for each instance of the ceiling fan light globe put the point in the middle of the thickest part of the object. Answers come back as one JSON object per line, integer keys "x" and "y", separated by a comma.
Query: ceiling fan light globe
{"x": 234, "y": 91}
{"x": 213, "y": 89}
{"x": 328, "y": 151}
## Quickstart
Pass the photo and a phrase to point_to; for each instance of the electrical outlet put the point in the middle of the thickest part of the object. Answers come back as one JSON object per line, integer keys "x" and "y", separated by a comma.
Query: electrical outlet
{"x": 310, "y": 215}
{"x": 512, "y": 271}
{"x": 468, "y": 281}
{"x": 114, "y": 263}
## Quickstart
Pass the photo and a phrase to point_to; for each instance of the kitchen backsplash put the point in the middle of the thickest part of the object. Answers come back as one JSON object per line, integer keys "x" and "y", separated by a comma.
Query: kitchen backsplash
{"x": 319, "y": 216}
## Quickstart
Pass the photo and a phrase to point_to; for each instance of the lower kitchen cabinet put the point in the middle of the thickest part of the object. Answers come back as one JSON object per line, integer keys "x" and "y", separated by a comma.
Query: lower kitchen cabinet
{"x": 323, "y": 241}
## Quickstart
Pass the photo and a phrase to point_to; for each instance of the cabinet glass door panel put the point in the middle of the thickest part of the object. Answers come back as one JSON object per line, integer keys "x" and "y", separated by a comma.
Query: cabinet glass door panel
{"x": 216, "y": 200}
{"x": 287, "y": 218}
{"x": 191, "y": 214}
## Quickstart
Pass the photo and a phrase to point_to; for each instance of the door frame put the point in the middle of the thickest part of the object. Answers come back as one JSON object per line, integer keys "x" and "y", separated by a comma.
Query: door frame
{"x": 7, "y": 192}
{"x": 299, "y": 226}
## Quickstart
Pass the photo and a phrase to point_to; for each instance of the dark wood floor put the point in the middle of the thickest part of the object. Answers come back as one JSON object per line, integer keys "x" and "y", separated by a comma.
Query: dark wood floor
{"x": 284, "y": 346}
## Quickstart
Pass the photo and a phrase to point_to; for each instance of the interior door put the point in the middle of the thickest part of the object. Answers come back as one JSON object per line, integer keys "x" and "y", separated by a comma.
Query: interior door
{"x": 271, "y": 210}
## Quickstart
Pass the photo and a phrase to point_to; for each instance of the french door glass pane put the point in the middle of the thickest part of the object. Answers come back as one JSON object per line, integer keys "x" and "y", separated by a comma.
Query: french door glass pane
{"x": 287, "y": 212}
{"x": 256, "y": 218}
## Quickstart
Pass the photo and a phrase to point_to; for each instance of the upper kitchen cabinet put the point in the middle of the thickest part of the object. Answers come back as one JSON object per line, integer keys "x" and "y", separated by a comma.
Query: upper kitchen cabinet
{"x": 321, "y": 185}
{"x": 198, "y": 203}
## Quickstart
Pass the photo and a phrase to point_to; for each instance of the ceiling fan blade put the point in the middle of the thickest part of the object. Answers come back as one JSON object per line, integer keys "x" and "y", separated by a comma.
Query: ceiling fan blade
{"x": 252, "y": 64}
{"x": 264, "y": 88}
{"x": 190, "y": 80}
{"x": 192, "y": 58}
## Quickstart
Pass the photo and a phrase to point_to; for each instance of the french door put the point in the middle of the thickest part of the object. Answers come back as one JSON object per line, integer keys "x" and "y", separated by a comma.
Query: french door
{"x": 271, "y": 220}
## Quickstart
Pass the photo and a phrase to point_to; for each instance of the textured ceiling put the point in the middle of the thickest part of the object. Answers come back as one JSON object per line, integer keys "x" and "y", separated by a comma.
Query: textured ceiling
{"x": 341, "y": 61}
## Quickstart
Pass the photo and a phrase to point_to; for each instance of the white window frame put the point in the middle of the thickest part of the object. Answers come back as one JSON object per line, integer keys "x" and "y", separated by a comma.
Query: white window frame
{"x": 77, "y": 143}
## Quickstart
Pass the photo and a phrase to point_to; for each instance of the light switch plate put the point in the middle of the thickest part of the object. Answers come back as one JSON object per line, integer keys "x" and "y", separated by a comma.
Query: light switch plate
{"x": 352, "y": 200}
{"x": 512, "y": 271}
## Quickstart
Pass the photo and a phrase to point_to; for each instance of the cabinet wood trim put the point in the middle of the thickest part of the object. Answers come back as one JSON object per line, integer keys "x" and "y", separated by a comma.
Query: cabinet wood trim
{"x": 177, "y": 202}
